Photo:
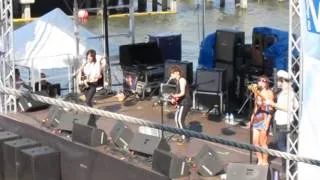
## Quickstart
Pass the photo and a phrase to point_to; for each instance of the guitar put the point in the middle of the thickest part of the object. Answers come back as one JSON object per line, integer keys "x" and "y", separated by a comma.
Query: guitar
{"x": 83, "y": 85}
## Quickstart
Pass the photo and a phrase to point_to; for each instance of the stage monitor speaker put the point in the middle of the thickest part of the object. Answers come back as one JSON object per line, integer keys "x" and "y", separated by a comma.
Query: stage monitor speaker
{"x": 169, "y": 164}
{"x": 88, "y": 135}
{"x": 211, "y": 80}
{"x": 146, "y": 144}
{"x": 208, "y": 161}
{"x": 11, "y": 150}
{"x": 169, "y": 43}
{"x": 227, "y": 44}
{"x": 238, "y": 171}
{"x": 39, "y": 163}
{"x": 121, "y": 135}
{"x": 64, "y": 120}
{"x": 186, "y": 67}
{"x": 5, "y": 136}
{"x": 26, "y": 103}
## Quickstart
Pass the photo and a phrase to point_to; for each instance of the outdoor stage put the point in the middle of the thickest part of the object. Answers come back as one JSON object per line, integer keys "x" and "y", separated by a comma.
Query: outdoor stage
{"x": 123, "y": 164}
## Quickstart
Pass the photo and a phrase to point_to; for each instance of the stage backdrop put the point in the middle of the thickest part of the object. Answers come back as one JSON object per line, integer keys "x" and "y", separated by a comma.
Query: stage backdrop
{"x": 309, "y": 138}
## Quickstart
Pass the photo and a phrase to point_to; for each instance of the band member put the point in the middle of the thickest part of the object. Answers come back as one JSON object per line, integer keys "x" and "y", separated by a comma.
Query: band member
{"x": 181, "y": 97}
{"x": 286, "y": 100}
{"x": 261, "y": 117}
{"x": 91, "y": 72}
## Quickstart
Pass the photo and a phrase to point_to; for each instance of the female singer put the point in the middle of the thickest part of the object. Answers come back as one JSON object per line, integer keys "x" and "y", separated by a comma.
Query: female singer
{"x": 261, "y": 117}
{"x": 181, "y": 97}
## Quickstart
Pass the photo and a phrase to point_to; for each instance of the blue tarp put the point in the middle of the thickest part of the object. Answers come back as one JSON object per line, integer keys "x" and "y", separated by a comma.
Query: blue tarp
{"x": 278, "y": 51}
{"x": 207, "y": 53}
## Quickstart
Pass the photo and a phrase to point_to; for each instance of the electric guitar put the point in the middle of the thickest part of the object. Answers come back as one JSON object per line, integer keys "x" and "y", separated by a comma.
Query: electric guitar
{"x": 83, "y": 85}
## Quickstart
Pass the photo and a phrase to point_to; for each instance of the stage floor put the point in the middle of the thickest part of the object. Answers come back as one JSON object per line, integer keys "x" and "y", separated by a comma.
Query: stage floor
{"x": 148, "y": 110}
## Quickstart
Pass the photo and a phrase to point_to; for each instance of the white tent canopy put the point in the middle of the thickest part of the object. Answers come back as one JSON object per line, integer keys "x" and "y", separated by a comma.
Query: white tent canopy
{"x": 49, "y": 42}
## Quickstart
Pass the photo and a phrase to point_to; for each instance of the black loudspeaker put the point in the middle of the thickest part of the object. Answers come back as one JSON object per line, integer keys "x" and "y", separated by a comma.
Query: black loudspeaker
{"x": 11, "y": 152}
{"x": 228, "y": 42}
{"x": 187, "y": 68}
{"x": 169, "y": 164}
{"x": 5, "y": 136}
{"x": 146, "y": 144}
{"x": 237, "y": 171}
{"x": 121, "y": 135}
{"x": 230, "y": 71}
{"x": 88, "y": 135}
{"x": 140, "y": 54}
{"x": 39, "y": 163}
{"x": 211, "y": 80}
{"x": 63, "y": 120}
{"x": 26, "y": 103}
{"x": 208, "y": 162}
{"x": 169, "y": 43}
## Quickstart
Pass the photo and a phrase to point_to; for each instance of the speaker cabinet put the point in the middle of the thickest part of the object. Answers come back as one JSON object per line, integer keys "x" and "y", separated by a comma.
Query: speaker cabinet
{"x": 39, "y": 163}
{"x": 228, "y": 43}
{"x": 11, "y": 152}
{"x": 26, "y": 103}
{"x": 209, "y": 164}
{"x": 169, "y": 164}
{"x": 237, "y": 171}
{"x": 88, "y": 135}
{"x": 5, "y": 136}
{"x": 169, "y": 43}
{"x": 186, "y": 67}
{"x": 146, "y": 144}
{"x": 64, "y": 120}
{"x": 121, "y": 135}
{"x": 211, "y": 80}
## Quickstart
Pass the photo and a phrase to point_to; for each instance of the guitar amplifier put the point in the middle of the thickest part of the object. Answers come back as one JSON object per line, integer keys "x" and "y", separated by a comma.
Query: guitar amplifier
{"x": 211, "y": 80}
{"x": 186, "y": 67}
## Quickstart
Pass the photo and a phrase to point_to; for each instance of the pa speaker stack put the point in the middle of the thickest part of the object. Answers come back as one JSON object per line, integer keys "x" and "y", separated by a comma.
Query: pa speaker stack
{"x": 229, "y": 54}
{"x": 186, "y": 67}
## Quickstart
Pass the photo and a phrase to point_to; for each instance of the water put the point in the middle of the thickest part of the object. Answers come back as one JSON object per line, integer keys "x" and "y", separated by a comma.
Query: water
{"x": 187, "y": 21}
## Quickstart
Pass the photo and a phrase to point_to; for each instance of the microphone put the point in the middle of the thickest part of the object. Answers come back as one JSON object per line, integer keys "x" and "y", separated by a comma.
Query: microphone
{"x": 169, "y": 80}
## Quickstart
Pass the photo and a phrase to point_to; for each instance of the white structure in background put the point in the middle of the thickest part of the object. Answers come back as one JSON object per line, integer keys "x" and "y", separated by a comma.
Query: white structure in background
{"x": 49, "y": 42}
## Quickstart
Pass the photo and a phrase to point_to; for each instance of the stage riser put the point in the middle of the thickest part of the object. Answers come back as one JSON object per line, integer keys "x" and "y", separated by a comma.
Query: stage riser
{"x": 80, "y": 162}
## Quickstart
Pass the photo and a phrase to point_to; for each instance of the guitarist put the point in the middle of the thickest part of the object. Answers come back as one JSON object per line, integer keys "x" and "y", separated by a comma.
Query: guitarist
{"x": 261, "y": 116}
{"x": 181, "y": 98}
{"x": 92, "y": 73}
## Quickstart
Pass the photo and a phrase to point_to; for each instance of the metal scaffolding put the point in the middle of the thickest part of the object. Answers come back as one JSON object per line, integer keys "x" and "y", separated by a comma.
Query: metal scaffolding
{"x": 295, "y": 69}
{"x": 7, "y": 75}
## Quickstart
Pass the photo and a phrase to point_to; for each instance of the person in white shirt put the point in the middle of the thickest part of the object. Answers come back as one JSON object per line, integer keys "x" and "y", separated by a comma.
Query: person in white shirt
{"x": 91, "y": 72}
{"x": 286, "y": 101}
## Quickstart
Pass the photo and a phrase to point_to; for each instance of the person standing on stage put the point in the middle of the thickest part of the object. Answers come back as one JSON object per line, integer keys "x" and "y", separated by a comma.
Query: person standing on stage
{"x": 92, "y": 73}
{"x": 181, "y": 97}
{"x": 261, "y": 117}
{"x": 283, "y": 117}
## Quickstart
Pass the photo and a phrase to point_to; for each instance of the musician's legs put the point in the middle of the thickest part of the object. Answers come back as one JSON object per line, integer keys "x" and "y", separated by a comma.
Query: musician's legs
{"x": 176, "y": 115}
{"x": 263, "y": 143}
{"x": 89, "y": 96}
{"x": 255, "y": 141}
{"x": 182, "y": 117}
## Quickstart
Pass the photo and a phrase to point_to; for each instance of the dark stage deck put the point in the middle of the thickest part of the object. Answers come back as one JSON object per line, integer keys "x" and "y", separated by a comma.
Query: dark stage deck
{"x": 25, "y": 122}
